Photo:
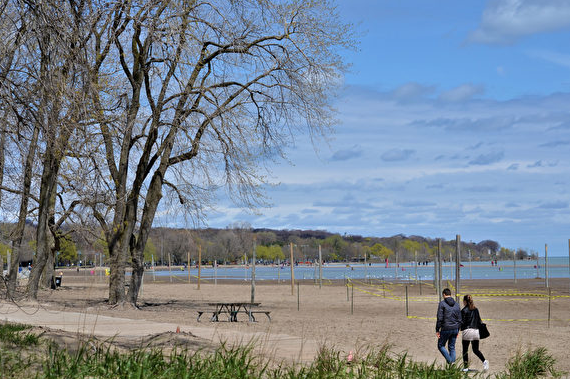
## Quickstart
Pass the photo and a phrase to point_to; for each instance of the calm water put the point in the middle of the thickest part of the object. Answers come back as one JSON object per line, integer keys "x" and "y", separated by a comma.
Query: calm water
{"x": 557, "y": 268}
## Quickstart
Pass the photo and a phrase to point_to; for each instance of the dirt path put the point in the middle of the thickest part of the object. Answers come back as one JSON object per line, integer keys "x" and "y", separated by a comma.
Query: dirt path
{"x": 280, "y": 346}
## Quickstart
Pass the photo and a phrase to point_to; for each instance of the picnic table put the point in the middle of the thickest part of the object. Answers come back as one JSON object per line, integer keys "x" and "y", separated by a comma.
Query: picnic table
{"x": 232, "y": 309}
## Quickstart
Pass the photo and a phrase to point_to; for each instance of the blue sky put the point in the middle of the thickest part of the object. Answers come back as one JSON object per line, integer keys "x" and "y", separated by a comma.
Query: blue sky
{"x": 454, "y": 119}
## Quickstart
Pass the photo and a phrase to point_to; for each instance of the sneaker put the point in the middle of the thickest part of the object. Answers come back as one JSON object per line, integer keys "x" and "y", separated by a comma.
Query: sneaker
{"x": 465, "y": 370}
{"x": 485, "y": 365}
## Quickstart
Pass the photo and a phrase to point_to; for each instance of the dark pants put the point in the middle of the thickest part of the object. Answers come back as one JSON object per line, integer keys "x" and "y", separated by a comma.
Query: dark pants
{"x": 475, "y": 347}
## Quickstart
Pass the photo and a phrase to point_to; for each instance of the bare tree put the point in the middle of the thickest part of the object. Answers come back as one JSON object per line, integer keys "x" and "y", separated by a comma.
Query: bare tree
{"x": 45, "y": 94}
{"x": 214, "y": 89}
{"x": 185, "y": 97}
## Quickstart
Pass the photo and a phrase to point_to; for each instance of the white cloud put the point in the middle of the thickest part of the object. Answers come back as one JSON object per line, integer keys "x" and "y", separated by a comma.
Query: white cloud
{"x": 489, "y": 158}
{"x": 412, "y": 91}
{"x": 462, "y": 93}
{"x": 395, "y": 155}
{"x": 552, "y": 57}
{"x": 481, "y": 183}
{"x": 346, "y": 154}
{"x": 505, "y": 21}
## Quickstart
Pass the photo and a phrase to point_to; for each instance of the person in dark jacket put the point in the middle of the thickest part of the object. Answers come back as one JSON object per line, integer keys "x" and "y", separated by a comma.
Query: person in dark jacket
{"x": 471, "y": 319}
{"x": 447, "y": 325}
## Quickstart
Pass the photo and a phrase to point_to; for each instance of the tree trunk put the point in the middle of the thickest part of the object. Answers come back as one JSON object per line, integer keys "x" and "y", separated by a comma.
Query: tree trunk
{"x": 2, "y": 157}
{"x": 117, "y": 278}
{"x": 18, "y": 232}
{"x": 48, "y": 272}
{"x": 137, "y": 251}
{"x": 152, "y": 200}
{"x": 44, "y": 238}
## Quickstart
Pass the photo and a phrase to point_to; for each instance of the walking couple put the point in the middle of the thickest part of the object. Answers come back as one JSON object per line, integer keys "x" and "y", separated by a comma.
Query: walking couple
{"x": 450, "y": 321}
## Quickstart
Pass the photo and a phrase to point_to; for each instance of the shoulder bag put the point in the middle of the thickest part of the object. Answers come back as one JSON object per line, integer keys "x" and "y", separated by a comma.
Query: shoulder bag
{"x": 483, "y": 331}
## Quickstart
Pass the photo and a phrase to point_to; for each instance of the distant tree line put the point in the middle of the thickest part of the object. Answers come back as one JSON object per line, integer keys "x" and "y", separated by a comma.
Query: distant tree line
{"x": 235, "y": 243}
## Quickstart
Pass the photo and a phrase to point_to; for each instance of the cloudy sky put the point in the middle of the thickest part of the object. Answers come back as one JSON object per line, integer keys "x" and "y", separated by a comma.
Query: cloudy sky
{"x": 455, "y": 119}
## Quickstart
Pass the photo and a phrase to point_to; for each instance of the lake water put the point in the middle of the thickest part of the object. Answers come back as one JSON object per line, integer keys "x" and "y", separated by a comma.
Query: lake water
{"x": 557, "y": 268}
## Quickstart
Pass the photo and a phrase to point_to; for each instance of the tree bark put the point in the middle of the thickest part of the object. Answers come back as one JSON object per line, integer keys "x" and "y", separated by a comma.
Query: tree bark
{"x": 44, "y": 238}
{"x": 18, "y": 232}
{"x": 2, "y": 156}
{"x": 153, "y": 197}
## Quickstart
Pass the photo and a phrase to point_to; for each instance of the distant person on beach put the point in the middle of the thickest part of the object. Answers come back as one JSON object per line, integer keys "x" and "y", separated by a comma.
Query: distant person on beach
{"x": 447, "y": 325}
{"x": 471, "y": 319}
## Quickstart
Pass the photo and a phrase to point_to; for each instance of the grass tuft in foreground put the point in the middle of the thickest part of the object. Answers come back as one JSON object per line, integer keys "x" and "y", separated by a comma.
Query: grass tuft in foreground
{"x": 536, "y": 363}
{"x": 11, "y": 334}
{"x": 90, "y": 360}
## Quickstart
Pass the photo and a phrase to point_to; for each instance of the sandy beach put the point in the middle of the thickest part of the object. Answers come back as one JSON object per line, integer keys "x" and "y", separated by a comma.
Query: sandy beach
{"x": 350, "y": 318}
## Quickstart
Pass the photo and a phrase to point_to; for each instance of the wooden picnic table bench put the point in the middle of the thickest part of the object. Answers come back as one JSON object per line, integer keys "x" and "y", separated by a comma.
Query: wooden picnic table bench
{"x": 232, "y": 309}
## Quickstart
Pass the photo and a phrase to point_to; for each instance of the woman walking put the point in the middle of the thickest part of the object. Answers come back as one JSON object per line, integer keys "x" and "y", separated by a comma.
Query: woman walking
{"x": 470, "y": 332}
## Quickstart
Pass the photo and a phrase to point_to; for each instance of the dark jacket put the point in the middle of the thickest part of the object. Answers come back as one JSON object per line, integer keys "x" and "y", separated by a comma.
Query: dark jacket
{"x": 470, "y": 318}
{"x": 448, "y": 315}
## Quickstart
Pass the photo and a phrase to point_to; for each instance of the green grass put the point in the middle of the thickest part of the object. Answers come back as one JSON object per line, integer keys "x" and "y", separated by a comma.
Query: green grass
{"x": 535, "y": 363}
{"x": 11, "y": 334}
{"x": 44, "y": 359}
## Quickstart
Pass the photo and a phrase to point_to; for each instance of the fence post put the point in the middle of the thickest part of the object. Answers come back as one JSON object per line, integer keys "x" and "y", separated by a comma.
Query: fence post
{"x": 320, "y": 268}
{"x": 298, "y": 296}
{"x": 438, "y": 263}
{"x": 292, "y": 271}
{"x": 457, "y": 265}
{"x": 407, "y": 314}
{"x": 352, "y": 300}
{"x": 199, "y": 264}
{"x": 546, "y": 265}
{"x": 549, "y": 301}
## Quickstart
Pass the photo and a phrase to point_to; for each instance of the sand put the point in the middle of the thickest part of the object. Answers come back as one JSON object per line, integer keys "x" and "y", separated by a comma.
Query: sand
{"x": 306, "y": 317}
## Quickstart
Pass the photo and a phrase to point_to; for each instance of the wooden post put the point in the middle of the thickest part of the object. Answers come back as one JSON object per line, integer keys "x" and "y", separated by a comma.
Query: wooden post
{"x": 546, "y": 265}
{"x": 352, "y": 300}
{"x": 253, "y": 259}
{"x": 199, "y": 264}
{"x": 346, "y": 283}
{"x": 435, "y": 274}
{"x": 215, "y": 272}
{"x": 189, "y": 264}
{"x": 420, "y": 286}
{"x": 416, "y": 265}
{"x": 407, "y": 314}
{"x": 450, "y": 266}
{"x": 9, "y": 253}
{"x": 170, "y": 267}
{"x": 470, "y": 273}
{"x": 439, "y": 275}
{"x": 457, "y": 266}
{"x": 365, "y": 267}
{"x": 315, "y": 271}
{"x": 549, "y": 306}
{"x": 321, "y": 266}
{"x": 292, "y": 263}
{"x": 537, "y": 265}
{"x": 515, "y": 265}
{"x": 298, "y": 297}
